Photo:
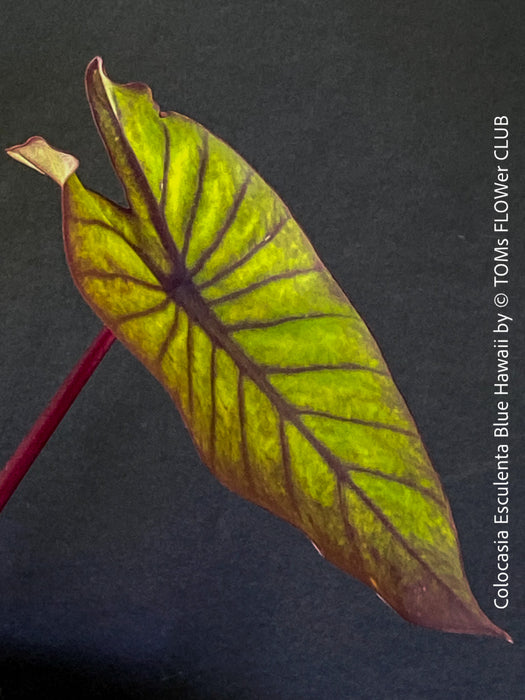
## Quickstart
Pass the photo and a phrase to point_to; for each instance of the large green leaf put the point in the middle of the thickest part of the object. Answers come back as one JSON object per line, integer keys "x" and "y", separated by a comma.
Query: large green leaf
{"x": 212, "y": 284}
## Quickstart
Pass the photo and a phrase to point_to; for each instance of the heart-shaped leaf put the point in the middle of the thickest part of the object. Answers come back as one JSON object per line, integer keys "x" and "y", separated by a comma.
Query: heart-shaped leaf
{"x": 210, "y": 282}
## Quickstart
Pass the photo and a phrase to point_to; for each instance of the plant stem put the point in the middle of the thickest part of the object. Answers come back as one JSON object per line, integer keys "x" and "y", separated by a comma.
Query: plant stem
{"x": 30, "y": 447}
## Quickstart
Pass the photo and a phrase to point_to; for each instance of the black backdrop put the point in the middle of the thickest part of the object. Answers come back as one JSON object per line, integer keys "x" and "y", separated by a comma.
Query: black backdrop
{"x": 125, "y": 568}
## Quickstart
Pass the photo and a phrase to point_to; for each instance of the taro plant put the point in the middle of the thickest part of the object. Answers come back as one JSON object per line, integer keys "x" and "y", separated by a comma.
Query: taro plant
{"x": 210, "y": 282}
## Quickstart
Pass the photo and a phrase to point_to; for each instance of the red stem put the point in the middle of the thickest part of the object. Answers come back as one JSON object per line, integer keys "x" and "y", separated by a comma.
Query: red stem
{"x": 30, "y": 447}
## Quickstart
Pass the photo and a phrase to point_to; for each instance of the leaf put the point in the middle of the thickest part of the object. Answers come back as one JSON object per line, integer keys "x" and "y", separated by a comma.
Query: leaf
{"x": 210, "y": 282}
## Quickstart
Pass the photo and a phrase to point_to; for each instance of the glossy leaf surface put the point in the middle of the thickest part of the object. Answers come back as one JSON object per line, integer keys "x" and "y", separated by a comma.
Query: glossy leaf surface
{"x": 212, "y": 284}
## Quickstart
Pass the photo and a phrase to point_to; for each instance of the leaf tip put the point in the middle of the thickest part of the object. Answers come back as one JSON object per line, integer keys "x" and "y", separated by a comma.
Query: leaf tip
{"x": 36, "y": 153}
{"x": 95, "y": 65}
{"x": 479, "y": 624}
{"x": 495, "y": 631}
{"x": 101, "y": 89}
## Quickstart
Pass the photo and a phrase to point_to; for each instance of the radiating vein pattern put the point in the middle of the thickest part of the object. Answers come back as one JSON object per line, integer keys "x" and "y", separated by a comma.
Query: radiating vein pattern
{"x": 281, "y": 384}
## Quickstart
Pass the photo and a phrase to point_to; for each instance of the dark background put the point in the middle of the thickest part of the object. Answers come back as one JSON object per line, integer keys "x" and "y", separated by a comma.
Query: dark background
{"x": 126, "y": 570}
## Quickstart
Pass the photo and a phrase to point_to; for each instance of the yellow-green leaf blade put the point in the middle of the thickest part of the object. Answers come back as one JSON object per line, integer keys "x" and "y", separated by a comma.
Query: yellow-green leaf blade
{"x": 210, "y": 282}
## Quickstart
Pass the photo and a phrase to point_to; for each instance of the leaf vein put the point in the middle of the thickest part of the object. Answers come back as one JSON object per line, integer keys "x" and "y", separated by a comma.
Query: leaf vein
{"x": 165, "y": 174}
{"x": 395, "y": 479}
{"x": 203, "y": 164}
{"x": 350, "y": 531}
{"x": 345, "y": 366}
{"x": 358, "y": 421}
{"x": 156, "y": 216}
{"x": 146, "y": 259}
{"x": 287, "y": 466}
{"x": 262, "y": 283}
{"x": 100, "y": 274}
{"x": 169, "y": 337}
{"x": 242, "y": 424}
{"x": 144, "y": 312}
{"x": 257, "y": 325}
{"x": 388, "y": 525}
{"x": 242, "y": 261}
{"x": 230, "y": 218}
